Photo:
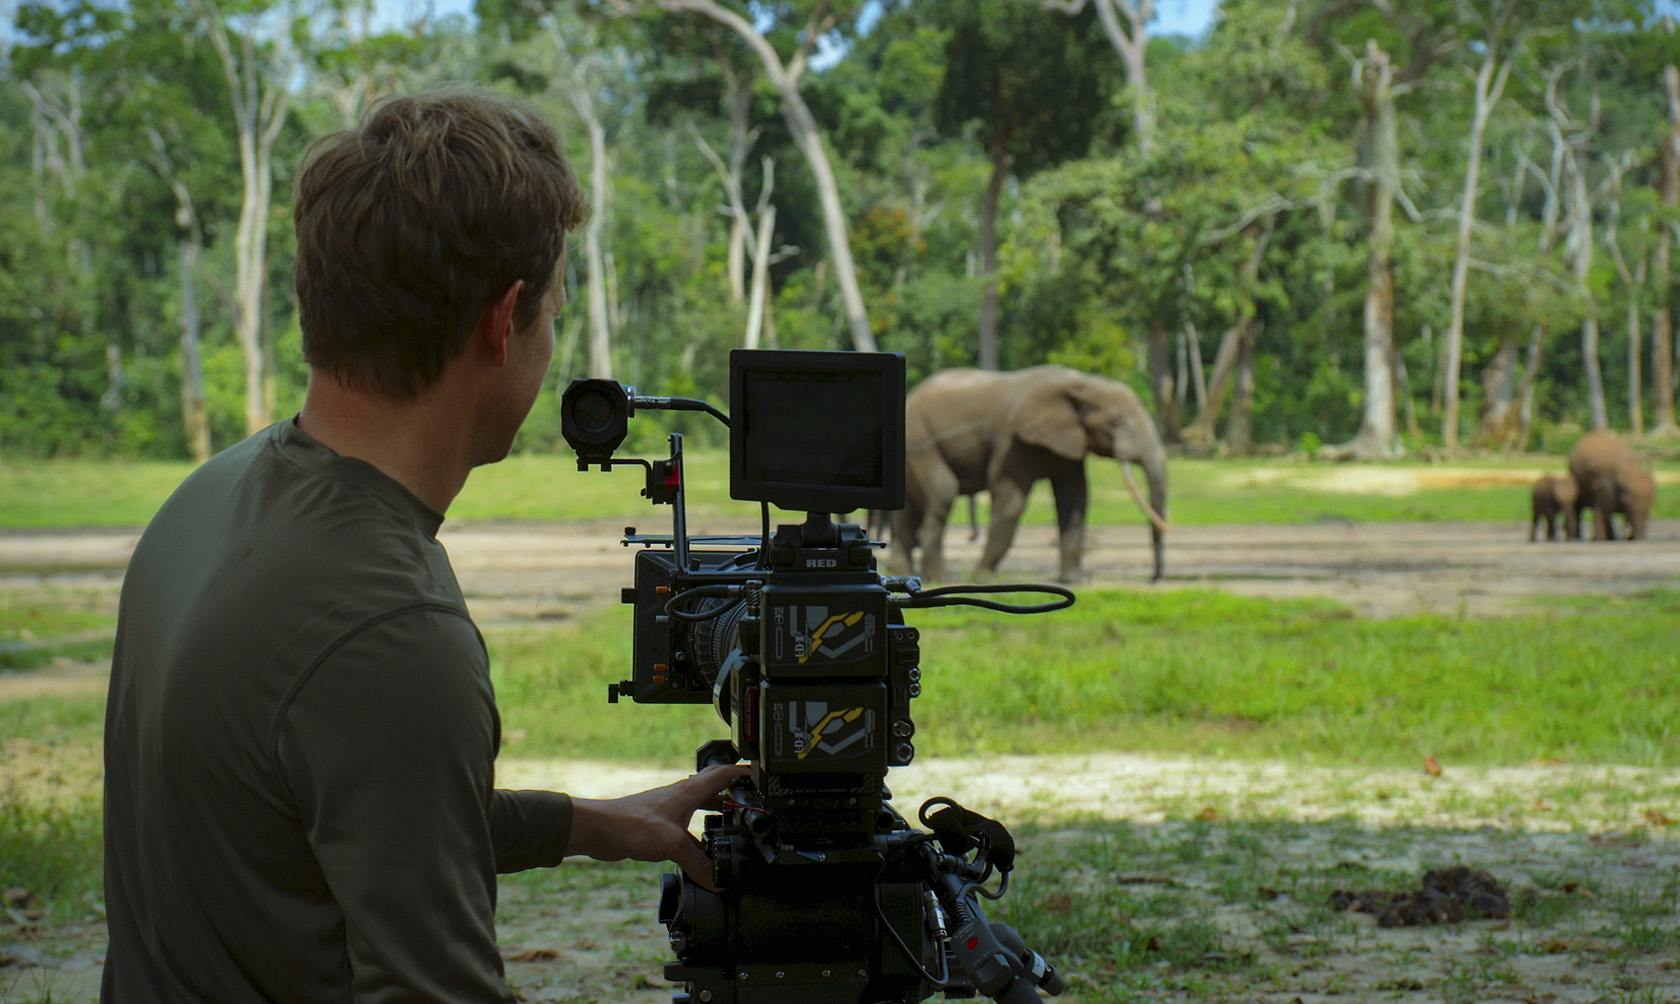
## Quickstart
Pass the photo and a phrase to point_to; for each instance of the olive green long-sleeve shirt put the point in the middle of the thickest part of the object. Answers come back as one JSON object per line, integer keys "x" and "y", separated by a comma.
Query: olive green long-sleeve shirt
{"x": 299, "y": 746}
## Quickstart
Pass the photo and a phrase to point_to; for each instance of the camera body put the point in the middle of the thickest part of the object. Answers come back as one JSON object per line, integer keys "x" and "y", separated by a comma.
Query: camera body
{"x": 828, "y": 895}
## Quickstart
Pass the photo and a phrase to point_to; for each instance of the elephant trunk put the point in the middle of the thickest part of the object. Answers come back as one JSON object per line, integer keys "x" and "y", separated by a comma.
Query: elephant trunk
{"x": 1155, "y": 469}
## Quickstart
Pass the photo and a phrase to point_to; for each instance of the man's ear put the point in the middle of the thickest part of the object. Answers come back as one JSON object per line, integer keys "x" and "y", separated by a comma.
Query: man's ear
{"x": 496, "y": 325}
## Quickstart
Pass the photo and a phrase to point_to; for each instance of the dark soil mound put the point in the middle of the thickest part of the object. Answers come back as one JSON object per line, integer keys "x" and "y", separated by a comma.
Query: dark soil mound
{"x": 1447, "y": 896}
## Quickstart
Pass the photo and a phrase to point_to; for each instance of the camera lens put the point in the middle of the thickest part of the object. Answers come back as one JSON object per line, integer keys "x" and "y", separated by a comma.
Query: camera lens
{"x": 594, "y": 417}
{"x": 594, "y": 413}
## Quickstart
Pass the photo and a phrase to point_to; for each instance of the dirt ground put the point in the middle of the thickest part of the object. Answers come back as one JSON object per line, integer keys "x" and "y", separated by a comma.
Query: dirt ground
{"x": 1618, "y": 836}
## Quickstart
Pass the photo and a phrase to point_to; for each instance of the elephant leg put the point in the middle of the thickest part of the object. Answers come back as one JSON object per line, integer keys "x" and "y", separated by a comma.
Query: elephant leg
{"x": 1602, "y": 497}
{"x": 1073, "y": 499}
{"x": 904, "y": 523}
{"x": 936, "y": 509}
{"x": 1009, "y": 500}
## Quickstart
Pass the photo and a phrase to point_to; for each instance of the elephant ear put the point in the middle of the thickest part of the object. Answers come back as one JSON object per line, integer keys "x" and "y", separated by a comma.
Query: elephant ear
{"x": 1049, "y": 416}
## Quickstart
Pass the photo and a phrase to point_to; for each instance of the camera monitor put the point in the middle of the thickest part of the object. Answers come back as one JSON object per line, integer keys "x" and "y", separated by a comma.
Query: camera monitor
{"x": 817, "y": 431}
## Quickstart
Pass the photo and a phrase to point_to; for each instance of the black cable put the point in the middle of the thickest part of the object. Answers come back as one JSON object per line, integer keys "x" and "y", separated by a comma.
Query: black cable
{"x": 959, "y": 596}
{"x": 714, "y": 591}
{"x": 678, "y": 404}
{"x": 944, "y": 979}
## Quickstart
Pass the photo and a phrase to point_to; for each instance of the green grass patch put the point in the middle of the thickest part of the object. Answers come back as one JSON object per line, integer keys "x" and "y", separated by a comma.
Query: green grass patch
{"x": 73, "y": 719}
{"x": 537, "y": 487}
{"x": 53, "y": 852}
{"x": 1193, "y": 672}
{"x": 55, "y": 494}
{"x": 38, "y": 626}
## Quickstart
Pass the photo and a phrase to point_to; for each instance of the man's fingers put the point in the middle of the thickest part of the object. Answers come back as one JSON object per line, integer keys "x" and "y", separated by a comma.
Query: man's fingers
{"x": 695, "y": 864}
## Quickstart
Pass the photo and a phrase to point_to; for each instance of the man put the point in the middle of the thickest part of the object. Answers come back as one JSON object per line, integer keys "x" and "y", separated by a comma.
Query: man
{"x": 299, "y": 742}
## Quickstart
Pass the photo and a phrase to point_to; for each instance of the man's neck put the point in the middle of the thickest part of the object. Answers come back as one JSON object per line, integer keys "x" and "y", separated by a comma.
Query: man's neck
{"x": 420, "y": 444}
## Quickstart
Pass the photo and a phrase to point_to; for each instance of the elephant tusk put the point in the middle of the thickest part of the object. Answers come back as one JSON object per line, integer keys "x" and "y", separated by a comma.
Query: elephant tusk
{"x": 1154, "y": 517}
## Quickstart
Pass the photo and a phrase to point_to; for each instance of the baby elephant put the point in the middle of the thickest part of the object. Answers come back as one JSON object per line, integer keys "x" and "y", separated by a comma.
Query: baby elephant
{"x": 1555, "y": 494}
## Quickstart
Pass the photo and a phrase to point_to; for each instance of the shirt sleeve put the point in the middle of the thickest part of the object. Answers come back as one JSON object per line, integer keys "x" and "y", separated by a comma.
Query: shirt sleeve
{"x": 530, "y": 828}
{"x": 388, "y": 747}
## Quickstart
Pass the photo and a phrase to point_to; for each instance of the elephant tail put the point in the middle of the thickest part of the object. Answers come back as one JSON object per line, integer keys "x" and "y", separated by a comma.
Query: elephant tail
{"x": 1155, "y": 518}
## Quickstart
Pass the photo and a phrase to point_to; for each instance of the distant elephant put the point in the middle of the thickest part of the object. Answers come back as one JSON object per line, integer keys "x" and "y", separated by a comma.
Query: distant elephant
{"x": 1553, "y": 496}
{"x": 969, "y": 431}
{"x": 1611, "y": 480}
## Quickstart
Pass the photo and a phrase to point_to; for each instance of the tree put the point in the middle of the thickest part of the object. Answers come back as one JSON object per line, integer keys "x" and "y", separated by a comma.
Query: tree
{"x": 1031, "y": 88}
{"x": 1500, "y": 42}
{"x": 1132, "y": 44}
{"x": 1662, "y": 328}
{"x": 259, "y": 76}
{"x": 785, "y": 78}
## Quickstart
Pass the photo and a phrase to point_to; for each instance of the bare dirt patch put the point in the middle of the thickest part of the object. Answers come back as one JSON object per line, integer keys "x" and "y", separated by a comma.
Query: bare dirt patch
{"x": 1273, "y": 837}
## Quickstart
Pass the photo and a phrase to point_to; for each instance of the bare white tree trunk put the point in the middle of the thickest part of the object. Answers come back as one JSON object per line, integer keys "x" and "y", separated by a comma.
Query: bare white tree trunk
{"x": 261, "y": 100}
{"x": 600, "y": 196}
{"x": 1132, "y": 43}
{"x": 760, "y": 301}
{"x": 1580, "y": 246}
{"x": 189, "y": 246}
{"x": 1379, "y": 160}
{"x": 1633, "y": 279}
{"x": 803, "y": 127}
{"x": 1490, "y": 85}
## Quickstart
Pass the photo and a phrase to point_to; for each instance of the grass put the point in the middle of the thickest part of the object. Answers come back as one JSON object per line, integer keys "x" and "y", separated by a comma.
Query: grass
{"x": 1191, "y": 672}
{"x": 1168, "y": 672}
{"x": 86, "y": 493}
{"x": 39, "y": 626}
{"x": 50, "y": 855}
{"x": 1173, "y": 672}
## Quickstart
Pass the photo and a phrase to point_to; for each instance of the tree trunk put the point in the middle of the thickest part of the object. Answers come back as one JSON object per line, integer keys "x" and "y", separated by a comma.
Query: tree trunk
{"x": 600, "y": 195}
{"x": 1497, "y": 427}
{"x": 1403, "y": 393}
{"x": 1662, "y": 329}
{"x": 988, "y": 255}
{"x": 760, "y": 302}
{"x": 1167, "y": 392}
{"x": 740, "y": 141}
{"x": 195, "y": 419}
{"x": 803, "y": 127}
{"x": 1636, "y": 406}
{"x": 1583, "y": 252}
{"x": 1239, "y": 430}
{"x": 1133, "y": 47}
{"x": 1199, "y": 433}
{"x": 1379, "y": 159}
{"x": 1197, "y": 371}
{"x": 1490, "y": 84}
{"x": 260, "y": 102}
{"x": 1536, "y": 350}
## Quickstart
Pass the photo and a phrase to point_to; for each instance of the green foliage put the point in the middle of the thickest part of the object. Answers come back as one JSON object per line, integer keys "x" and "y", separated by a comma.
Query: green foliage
{"x": 1244, "y": 209}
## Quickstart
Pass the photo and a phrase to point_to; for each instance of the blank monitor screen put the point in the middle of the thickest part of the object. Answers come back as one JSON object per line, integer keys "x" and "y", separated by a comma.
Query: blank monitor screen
{"x": 819, "y": 431}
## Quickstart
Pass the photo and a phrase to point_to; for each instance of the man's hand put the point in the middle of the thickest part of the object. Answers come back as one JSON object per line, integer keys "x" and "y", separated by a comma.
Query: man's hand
{"x": 652, "y": 825}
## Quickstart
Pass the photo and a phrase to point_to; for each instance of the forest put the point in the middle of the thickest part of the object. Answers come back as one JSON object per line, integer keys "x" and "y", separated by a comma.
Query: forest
{"x": 1356, "y": 228}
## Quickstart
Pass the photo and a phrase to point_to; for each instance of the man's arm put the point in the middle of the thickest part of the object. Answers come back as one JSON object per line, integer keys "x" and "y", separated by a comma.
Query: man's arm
{"x": 652, "y": 825}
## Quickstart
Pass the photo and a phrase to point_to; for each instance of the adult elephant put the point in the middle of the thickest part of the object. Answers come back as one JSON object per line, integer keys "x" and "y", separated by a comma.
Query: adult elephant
{"x": 1609, "y": 480}
{"x": 968, "y": 431}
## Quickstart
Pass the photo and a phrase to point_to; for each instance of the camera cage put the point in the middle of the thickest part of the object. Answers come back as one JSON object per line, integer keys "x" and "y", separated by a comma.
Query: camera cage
{"x": 829, "y": 896}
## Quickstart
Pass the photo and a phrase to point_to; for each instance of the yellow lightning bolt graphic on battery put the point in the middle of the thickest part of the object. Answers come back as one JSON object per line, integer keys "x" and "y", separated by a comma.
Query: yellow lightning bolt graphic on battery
{"x": 848, "y": 716}
{"x": 846, "y": 620}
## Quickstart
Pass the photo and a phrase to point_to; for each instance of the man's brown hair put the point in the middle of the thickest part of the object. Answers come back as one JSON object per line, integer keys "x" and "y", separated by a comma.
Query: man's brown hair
{"x": 409, "y": 226}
